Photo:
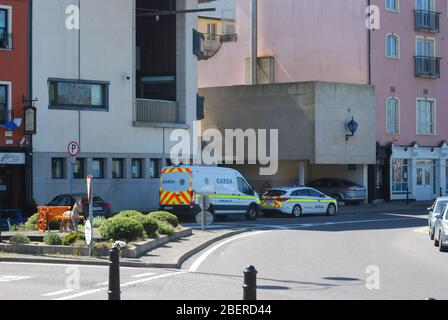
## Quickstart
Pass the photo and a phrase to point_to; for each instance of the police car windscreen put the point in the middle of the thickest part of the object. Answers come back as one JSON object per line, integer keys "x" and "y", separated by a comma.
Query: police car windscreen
{"x": 176, "y": 181}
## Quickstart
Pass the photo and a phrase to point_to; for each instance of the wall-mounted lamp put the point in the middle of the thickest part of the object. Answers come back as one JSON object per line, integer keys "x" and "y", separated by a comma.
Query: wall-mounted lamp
{"x": 352, "y": 126}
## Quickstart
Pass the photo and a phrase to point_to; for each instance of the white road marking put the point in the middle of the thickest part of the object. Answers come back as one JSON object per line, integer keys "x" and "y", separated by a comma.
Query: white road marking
{"x": 195, "y": 266}
{"x": 14, "y": 278}
{"x": 123, "y": 285}
{"x": 57, "y": 293}
{"x": 60, "y": 265}
{"x": 143, "y": 275}
{"x": 84, "y": 293}
{"x": 197, "y": 263}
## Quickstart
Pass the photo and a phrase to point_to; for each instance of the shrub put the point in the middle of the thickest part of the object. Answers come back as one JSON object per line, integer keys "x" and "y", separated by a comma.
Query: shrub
{"x": 129, "y": 214}
{"x": 165, "y": 217}
{"x": 150, "y": 225}
{"x": 98, "y": 222}
{"x": 19, "y": 238}
{"x": 122, "y": 228}
{"x": 166, "y": 228}
{"x": 52, "y": 239}
{"x": 71, "y": 238}
{"x": 30, "y": 224}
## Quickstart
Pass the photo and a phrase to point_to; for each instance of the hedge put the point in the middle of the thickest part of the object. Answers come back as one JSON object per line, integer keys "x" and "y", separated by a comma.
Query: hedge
{"x": 165, "y": 217}
{"x": 122, "y": 228}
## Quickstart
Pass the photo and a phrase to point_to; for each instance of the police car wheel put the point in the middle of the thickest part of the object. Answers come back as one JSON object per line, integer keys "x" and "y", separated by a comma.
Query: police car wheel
{"x": 331, "y": 210}
{"x": 252, "y": 213}
{"x": 297, "y": 211}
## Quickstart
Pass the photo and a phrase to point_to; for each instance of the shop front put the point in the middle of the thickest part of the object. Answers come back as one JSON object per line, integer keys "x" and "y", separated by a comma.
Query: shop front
{"x": 12, "y": 179}
{"x": 420, "y": 172}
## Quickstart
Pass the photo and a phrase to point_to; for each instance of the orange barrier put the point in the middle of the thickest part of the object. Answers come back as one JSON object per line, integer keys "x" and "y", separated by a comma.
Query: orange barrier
{"x": 46, "y": 215}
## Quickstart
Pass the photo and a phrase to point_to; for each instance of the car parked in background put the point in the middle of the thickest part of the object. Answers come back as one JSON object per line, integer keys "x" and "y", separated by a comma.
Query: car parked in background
{"x": 101, "y": 208}
{"x": 10, "y": 217}
{"x": 434, "y": 213}
{"x": 295, "y": 201}
{"x": 441, "y": 231}
{"x": 341, "y": 190}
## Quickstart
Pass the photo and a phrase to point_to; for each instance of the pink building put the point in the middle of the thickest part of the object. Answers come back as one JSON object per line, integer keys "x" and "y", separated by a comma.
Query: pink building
{"x": 406, "y": 60}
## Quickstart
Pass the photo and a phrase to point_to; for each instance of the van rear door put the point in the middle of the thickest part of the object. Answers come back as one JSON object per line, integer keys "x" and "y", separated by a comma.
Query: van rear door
{"x": 176, "y": 187}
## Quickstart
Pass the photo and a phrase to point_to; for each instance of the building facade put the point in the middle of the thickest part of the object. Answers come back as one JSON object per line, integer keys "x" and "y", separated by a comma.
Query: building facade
{"x": 298, "y": 42}
{"x": 405, "y": 60}
{"x": 409, "y": 70}
{"x": 115, "y": 86}
{"x": 14, "y": 93}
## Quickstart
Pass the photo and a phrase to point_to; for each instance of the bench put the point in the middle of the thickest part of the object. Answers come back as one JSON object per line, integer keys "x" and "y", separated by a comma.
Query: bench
{"x": 46, "y": 215}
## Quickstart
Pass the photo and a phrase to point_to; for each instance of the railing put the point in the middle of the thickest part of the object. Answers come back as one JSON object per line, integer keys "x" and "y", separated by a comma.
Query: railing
{"x": 5, "y": 39}
{"x": 156, "y": 111}
{"x": 427, "y": 67}
{"x": 427, "y": 20}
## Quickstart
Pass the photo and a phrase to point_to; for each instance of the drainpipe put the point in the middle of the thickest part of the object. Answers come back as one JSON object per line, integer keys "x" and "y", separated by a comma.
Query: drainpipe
{"x": 253, "y": 42}
{"x": 369, "y": 36}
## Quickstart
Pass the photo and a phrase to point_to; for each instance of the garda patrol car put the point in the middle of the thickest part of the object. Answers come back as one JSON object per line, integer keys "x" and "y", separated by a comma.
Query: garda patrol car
{"x": 181, "y": 188}
{"x": 296, "y": 201}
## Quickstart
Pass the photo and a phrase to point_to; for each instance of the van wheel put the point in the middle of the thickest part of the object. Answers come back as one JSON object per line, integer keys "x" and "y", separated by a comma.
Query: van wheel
{"x": 252, "y": 213}
{"x": 431, "y": 234}
{"x": 296, "y": 211}
{"x": 436, "y": 242}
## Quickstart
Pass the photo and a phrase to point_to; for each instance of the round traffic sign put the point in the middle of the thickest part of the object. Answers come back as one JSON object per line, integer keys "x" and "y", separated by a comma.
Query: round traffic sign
{"x": 73, "y": 148}
{"x": 208, "y": 218}
{"x": 88, "y": 232}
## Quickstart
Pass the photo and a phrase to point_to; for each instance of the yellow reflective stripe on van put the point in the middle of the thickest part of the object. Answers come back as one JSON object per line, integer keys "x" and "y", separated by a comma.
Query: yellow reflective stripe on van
{"x": 225, "y": 196}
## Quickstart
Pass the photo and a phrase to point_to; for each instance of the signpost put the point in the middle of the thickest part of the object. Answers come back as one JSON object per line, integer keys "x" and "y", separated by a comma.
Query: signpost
{"x": 73, "y": 149}
{"x": 88, "y": 228}
{"x": 204, "y": 218}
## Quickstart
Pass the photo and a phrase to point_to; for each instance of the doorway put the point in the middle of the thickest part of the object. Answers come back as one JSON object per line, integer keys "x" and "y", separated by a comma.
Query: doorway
{"x": 424, "y": 180}
{"x": 12, "y": 185}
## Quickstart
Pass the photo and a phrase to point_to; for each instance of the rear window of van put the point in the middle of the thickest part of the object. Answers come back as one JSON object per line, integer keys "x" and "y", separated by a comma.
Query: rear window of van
{"x": 175, "y": 181}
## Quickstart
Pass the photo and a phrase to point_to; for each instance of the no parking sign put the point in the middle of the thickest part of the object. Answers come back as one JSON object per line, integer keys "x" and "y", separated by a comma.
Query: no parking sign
{"x": 73, "y": 148}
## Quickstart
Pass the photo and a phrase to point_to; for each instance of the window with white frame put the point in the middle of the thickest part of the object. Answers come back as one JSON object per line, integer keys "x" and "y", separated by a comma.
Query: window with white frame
{"x": 5, "y": 101}
{"x": 392, "y": 5}
{"x": 5, "y": 27}
{"x": 400, "y": 169}
{"x": 392, "y": 45}
{"x": 425, "y": 116}
{"x": 392, "y": 115}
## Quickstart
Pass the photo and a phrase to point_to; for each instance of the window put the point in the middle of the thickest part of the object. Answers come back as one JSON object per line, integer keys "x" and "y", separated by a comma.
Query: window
{"x": 158, "y": 88}
{"x": 244, "y": 188}
{"x": 425, "y": 47}
{"x": 392, "y": 5}
{"x": 300, "y": 193}
{"x": 4, "y": 98}
{"x": 154, "y": 170}
{"x": 314, "y": 193}
{"x": 57, "y": 168}
{"x": 425, "y": 117}
{"x": 117, "y": 168}
{"x": 212, "y": 28}
{"x": 392, "y": 46}
{"x": 425, "y": 5}
{"x": 78, "y": 94}
{"x": 98, "y": 168}
{"x": 137, "y": 165}
{"x": 79, "y": 169}
{"x": 5, "y": 27}
{"x": 392, "y": 115}
{"x": 399, "y": 175}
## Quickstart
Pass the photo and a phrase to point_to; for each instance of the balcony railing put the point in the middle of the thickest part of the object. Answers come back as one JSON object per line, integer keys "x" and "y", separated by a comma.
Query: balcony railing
{"x": 428, "y": 21}
{"x": 427, "y": 67}
{"x": 156, "y": 111}
{"x": 5, "y": 39}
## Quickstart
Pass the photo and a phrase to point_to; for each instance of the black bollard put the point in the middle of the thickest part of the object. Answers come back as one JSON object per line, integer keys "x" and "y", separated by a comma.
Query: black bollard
{"x": 114, "y": 274}
{"x": 250, "y": 284}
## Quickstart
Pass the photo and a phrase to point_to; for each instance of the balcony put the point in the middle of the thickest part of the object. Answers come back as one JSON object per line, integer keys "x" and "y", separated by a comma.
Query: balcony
{"x": 427, "y": 67}
{"x": 155, "y": 112}
{"x": 427, "y": 21}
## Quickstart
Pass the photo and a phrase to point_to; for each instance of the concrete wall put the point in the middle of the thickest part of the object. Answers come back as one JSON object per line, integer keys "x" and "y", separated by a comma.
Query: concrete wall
{"x": 311, "y": 118}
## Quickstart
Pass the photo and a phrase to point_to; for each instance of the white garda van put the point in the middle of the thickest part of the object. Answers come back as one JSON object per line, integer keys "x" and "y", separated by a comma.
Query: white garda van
{"x": 181, "y": 188}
